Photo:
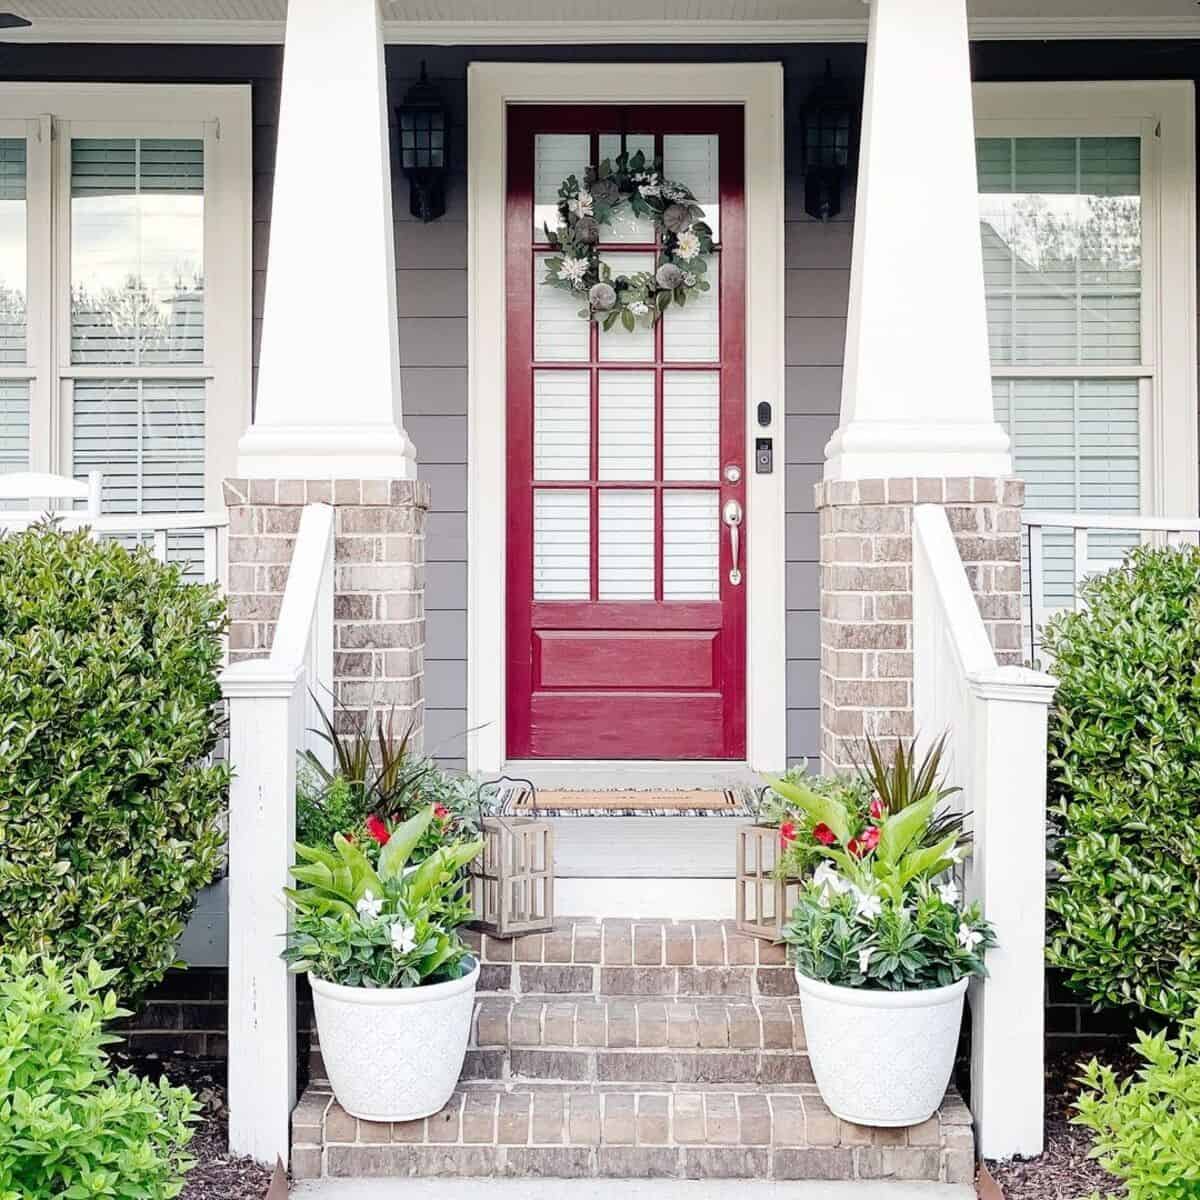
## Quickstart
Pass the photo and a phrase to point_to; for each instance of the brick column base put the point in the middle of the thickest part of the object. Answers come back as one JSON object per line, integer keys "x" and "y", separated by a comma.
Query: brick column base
{"x": 866, "y": 595}
{"x": 379, "y": 583}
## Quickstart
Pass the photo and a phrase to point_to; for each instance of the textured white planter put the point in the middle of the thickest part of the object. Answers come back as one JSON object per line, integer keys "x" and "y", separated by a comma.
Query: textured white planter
{"x": 394, "y": 1054}
{"x": 881, "y": 1058}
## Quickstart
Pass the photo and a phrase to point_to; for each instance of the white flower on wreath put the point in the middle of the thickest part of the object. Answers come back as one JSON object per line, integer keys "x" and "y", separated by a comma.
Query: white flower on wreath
{"x": 581, "y": 205}
{"x": 948, "y": 892}
{"x": 864, "y": 959}
{"x": 369, "y": 907}
{"x": 573, "y": 270}
{"x": 649, "y": 189}
{"x": 404, "y": 938}
{"x": 968, "y": 939}
{"x": 689, "y": 279}
{"x": 639, "y": 308}
{"x": 867, "y": 906}
{"x": 688, "y": 246}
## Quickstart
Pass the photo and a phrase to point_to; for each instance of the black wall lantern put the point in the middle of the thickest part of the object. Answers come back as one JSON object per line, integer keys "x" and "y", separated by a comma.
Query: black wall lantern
{"x": 424, "y": 148}
{"x": 828, "y": 117}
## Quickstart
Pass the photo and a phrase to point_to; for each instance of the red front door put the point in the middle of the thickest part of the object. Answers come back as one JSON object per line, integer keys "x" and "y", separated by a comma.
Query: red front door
{"x": 626, "y": 457}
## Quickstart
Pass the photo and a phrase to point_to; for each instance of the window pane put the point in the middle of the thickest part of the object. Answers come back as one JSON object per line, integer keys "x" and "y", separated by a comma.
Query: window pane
{"x": 555, "y": 156}
{"x": 691, "y": 545}
{"x": 626, "y": 425}
{"x": 618, "y": 344}
{"x": 693, "y": 333}
{"x": 561, "y": 545}
{"x": 1062, "y": 248}
{"x": 691, "y": 424}
{"x": 14, "y": 426}
{"x": 693, "y": 160}
{"x": 560, "y": 334}
{"x": 625, "y": 227}
{"x": 13, "y": 254}
{"x": 137, "y": 250}
{"x": 626, "y": 545}
{"x": 561, "y": 421}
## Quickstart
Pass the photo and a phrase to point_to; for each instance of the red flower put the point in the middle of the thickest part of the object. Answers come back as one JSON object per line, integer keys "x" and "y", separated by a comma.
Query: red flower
{"x": 824, "y": 835}
{"x": 787, "y": 833}
{"x": 378, "y": 830}
{"x": 441, "y": 812}
{"x": 864, "y": 845}
{"x": 878, "y": 812}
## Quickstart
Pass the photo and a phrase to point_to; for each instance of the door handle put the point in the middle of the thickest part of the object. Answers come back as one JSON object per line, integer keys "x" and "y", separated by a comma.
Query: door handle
{"x": 732, "y": 516}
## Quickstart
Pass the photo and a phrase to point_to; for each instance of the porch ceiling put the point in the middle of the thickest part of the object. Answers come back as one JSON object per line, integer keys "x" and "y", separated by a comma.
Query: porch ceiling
{"x": 518, "y": 21}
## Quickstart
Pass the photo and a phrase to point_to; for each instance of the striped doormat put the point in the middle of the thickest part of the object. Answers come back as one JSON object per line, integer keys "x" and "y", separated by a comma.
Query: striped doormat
{"x": 518, "y": 800}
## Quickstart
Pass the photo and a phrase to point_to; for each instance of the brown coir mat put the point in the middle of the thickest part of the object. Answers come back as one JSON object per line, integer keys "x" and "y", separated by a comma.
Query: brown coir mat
{"x": 519, "y": 800}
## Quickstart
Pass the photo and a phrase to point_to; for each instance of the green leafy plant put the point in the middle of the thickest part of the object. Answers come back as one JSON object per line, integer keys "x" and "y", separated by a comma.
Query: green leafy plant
{"x": 799, "y": 850}
{"x": 110, "y": 808}
{"x": 1148, "y": 1127}
{"x": 381, "y": 924}
{"x": 70, "y": 1126}
{"x": 873, "y": 914}
{"x": 1124, "y": 785}
{"x": 900, "y": 778}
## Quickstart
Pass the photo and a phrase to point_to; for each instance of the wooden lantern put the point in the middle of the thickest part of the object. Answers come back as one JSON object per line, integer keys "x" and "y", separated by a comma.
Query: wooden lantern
{"x": 764, "y": 903}
{"x": 512, "y": 881}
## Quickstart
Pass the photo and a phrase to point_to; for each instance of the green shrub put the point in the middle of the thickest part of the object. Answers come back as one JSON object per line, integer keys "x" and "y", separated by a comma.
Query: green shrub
{"x": 1148, "y": 1127}
{"x": 69, "y": 1125}
{"x": 1125, "y": 784}
{"x": 110, "y": 814}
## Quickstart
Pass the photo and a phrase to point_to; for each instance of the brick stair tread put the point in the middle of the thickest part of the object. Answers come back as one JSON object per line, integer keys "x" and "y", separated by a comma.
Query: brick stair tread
{"x": 577, "y": 1130}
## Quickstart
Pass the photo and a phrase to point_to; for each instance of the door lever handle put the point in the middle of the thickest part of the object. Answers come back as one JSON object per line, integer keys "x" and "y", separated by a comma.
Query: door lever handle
{"x": 731, "y": 514}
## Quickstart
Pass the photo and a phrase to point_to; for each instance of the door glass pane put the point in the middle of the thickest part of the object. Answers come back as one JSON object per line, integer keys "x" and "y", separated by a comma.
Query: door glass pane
{"x": 14, "y": 426}
{"x": 691, "y": 545}
{"x": 693, "y": 159}
{"x": 137, "y": 250}
{"x": 625, "y": 227}
{"x": 13, "y": 255}
{"x": 561, "y": 545}
{"x": 619, "y": 345}
{"x": 691, "y": 424}
{"x": 1061, "y": 223}
{"x": 626, "y": 425}
{"x": 555, "y": 156}
{"x": 560, "y": 334}
{"x": 561, "y": 424}
{"x": 626, "y": 538}
{"x": 693, "y": 333}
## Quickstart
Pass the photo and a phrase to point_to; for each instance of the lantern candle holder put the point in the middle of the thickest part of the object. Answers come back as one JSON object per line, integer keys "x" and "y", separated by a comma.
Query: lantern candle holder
{"x": 764, "y": 902}
{"x": 512, "y": 879}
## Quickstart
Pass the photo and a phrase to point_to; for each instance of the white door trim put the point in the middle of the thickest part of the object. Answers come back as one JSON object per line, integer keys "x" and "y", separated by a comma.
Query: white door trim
{"x": 758, "y": 87}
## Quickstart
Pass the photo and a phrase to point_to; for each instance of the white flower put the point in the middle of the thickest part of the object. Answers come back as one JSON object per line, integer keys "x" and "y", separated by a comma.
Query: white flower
{"x": 639, "y": 308}
{"x": 968, "y": 939}
{"x": 864, "y": 959}
{"x": 688, "y": 246}
{"x": 649, "y": 189}
{"x": 574, "y": 270}
{"x": 369, "y": 907}
{"x": 581, "y": 205}
{"x": 948, "y": 892}
{"x": 689, "y": 279}
{"x": 827, "y": 878}
{"x": 404, "y": 938}
{"x": 868, "y": 906}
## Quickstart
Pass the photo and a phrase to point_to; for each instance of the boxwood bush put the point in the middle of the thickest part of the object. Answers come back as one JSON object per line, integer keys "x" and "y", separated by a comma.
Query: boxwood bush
{"x": 1125, "y": 785}
{"x": 110, "y": 810}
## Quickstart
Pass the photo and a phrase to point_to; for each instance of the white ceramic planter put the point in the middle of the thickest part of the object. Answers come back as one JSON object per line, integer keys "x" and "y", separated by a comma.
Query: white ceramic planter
{"x": 394, "y": 1054}
{"x": 881, "y": 1058}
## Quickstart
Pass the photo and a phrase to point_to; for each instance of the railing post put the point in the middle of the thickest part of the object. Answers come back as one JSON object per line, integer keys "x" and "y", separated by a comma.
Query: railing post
{"x": 266, "y": 715}
{"x": 1006, "y": 778}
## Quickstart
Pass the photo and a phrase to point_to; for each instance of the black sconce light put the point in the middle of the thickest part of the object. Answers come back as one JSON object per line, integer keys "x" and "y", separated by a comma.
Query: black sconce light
{"x": 828, "y": 117}
{"x": 424, "y": 148}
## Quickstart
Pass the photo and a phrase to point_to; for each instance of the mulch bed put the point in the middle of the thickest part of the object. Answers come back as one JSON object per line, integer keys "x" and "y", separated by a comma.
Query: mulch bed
{"x": 216, "y": 1175}
{"x": 1064, "y": 1171}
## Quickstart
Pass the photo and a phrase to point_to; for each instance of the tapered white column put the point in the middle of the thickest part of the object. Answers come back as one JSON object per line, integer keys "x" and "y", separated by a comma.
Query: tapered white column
{"x": 916, "y": 394}
{"x": 329, "y": 376}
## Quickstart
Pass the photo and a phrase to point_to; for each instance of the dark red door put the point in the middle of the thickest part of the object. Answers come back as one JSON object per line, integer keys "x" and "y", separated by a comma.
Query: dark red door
{"x": 626, "y": 459}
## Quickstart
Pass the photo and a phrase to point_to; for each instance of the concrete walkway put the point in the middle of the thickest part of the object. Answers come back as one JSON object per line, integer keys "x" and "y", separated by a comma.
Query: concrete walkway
{"x": 621, "y": 1189}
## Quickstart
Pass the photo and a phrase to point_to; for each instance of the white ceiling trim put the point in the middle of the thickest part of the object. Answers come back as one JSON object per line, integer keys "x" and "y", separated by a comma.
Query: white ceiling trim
{"x": 567, "y": 32}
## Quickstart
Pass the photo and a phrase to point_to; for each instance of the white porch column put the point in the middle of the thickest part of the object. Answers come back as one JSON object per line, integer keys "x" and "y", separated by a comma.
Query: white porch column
{"x": 916, "y": 393}
{"x": 329, "y": 375}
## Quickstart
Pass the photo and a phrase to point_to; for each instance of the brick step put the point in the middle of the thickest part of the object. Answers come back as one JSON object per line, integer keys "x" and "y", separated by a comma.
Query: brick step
{"x": 660, "y": 1132}
{"x": 644, "y": 1041}
{"x": 612, "y": 957}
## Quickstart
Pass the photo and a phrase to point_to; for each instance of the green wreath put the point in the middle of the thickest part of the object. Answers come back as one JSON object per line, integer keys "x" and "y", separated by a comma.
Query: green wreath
{"x": 685, "y": 242}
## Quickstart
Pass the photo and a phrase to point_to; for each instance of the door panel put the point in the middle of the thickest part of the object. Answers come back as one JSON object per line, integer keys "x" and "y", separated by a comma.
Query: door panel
{"x": 626, "y": 623}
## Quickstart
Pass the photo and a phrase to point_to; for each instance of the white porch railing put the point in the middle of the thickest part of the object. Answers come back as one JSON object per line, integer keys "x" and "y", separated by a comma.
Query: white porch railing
{"x": 270, "y": 713}
{"x": 153, "y": 528}
{"x": 1064, "y": 548}
{"x": 996, "y": 718}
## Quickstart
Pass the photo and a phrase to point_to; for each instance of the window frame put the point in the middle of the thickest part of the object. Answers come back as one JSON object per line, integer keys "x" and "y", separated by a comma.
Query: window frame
{"x": 1162, "y": 114}
{"x": 220, "y": 114}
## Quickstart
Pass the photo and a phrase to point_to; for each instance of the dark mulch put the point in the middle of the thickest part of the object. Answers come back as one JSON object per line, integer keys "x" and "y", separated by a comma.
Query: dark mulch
{"x": 216, "y": 1176}
{"x": 1064, "y": 1171}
